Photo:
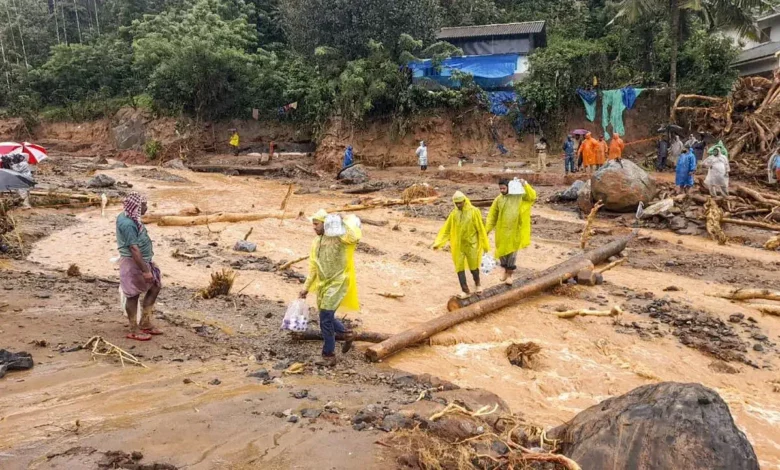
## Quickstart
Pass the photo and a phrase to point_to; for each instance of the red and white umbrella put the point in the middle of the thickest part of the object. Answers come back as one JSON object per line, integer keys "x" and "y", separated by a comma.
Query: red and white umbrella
{"x": 35, "y": 153}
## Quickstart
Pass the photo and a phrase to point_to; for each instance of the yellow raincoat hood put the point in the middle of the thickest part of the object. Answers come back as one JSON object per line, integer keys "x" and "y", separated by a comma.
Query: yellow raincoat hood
{"x": 466, "y": 234}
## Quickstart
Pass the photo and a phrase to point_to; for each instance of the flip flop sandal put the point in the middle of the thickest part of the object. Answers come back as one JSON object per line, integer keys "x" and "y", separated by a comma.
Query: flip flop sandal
{"x": 138, "y": 337}
{"x": 152, "y": 331}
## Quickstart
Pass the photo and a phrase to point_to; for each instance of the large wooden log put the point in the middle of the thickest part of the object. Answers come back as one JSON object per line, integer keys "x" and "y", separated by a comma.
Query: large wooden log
{"x": 222, "y": 217}
{"x": 373, "y": 204}
{"x": 596, "y": 256}
{"x": 241, "y": 170}
{"x": 751, "y": 223}
{"x": 426, "y": 330}
{"x": 363, "y": 336}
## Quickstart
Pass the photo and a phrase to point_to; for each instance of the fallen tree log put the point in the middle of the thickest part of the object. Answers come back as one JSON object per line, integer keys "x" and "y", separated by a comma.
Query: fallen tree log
{"x": 155, "y": 217}
{"x": 384, "y": 203}
{"x": 551, "y": 279}
{"x": 80, "y": 197}
{"x": 569, "y": 314}
{"x": 597, "y": 256}
{"x": 241, "y": 170}
{"x": 749, "y": 294}
{"x": 363, "y": 336}
{"x": 768, "y": 309}
{"x": 751, "y": 223}
{"x": 765, "y": 199}
{"x": 218, "y": 217}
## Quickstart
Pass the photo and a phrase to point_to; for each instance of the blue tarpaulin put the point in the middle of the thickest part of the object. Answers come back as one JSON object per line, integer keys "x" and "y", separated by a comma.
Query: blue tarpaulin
{"x": 491, "y": 66}
{"x": 498, "y": 100}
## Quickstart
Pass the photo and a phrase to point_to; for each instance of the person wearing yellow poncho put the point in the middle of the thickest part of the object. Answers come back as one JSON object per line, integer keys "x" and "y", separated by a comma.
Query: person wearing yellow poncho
{"x": 332, "y": 277}
{"x": 468, "y": 240}
{"x": 235, "y": 141}
{"x": 510, "y": 216}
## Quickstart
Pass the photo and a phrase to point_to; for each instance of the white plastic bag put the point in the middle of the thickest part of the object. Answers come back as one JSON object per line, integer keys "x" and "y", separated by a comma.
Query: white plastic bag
{"x": 488, "y": 264}
{"x": 297, "y": 316}
{"x": 516, "y": 187}
{"x": 334, "y": 227}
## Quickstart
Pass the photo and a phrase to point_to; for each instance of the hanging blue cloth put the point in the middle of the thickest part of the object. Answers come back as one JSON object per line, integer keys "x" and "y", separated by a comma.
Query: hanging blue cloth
{"x": 630, "y": 95}
{"x": 589, "y": 100}
{"x": 498, "y": 101}
{"x": 348, "y": 158}
{"x": 686, "y": 165}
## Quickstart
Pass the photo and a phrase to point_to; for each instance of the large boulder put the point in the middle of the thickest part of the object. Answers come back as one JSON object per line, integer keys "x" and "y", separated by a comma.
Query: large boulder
{"x": 101, "y": 181}
{"x": 661, "y": 426}
{"x": 355, "y": 174}
{"x": 585, "y": 198}
{"x": 129, "y": 130}
{"x": 621, "y": 186}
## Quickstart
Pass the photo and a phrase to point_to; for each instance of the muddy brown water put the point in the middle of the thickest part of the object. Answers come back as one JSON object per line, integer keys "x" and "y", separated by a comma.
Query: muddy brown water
{"x": 583, "y": 361}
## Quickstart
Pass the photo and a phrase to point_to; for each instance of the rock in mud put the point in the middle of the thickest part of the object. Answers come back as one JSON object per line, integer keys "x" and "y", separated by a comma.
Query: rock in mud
{"x": 311, "y": 413}
{"x": 260, "y": 374}
{"x": 175, "y": 164}
{"x": 354, "y": 174}
{"x": 571, "y": 193}
{"x": 622, "y": 186}
{"x": 369, "y": 415}
{"x": 14, "y": 361}
{"x": 245, "y": 246}
{"x": 130, "y": 131}
{"x": 585, "y": 198}
{"x": 395, "y": 421}
{"x": 660, "y": 426}
{"x": 101, "y": 181}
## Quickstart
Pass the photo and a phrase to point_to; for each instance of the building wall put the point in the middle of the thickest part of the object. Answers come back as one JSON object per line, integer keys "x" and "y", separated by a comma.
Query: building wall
{"x": 774, "y": 35}
{"x": 491, "y": 46}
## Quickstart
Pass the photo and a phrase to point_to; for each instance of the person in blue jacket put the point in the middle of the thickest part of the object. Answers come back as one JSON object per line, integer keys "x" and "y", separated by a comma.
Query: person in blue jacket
{"x": 568, "y": 150}
{"x": 348, "y": 158}
{"x": 686, "y": 167}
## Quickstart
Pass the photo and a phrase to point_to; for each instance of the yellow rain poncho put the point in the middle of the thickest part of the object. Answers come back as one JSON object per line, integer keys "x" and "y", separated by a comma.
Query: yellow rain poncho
{"x": 510, "y": 215}
{"x": 466, "y": 233}
{"x": 235, "y": 140}
{"x": 332, "y": 270}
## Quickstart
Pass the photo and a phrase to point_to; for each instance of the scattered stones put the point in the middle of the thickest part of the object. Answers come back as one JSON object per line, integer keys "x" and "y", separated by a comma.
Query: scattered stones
{"x": 736, "y": 317}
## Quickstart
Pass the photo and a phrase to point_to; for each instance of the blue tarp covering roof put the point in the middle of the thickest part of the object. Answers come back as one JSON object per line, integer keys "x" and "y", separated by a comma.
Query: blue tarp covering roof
{"x": 491, "y": 66}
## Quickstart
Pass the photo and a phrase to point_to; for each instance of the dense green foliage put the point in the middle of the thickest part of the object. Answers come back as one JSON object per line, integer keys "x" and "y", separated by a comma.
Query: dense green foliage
{"x": 214, "y": 59}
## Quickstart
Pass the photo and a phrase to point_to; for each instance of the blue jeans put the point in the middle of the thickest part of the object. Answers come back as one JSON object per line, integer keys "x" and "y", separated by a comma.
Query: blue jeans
{"x": 330, "y": 325}
{"x": 569, "y": 164}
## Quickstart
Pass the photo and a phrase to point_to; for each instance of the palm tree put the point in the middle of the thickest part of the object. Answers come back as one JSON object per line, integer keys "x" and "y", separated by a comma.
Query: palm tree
{"x": 736, "y": 14}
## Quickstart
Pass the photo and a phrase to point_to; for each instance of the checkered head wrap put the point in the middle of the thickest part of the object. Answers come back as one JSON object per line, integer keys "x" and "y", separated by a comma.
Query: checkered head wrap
{"x": 132, "y": 204}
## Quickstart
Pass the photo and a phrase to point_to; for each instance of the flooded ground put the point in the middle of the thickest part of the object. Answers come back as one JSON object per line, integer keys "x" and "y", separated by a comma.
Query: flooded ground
{"x": 583, "y": 361}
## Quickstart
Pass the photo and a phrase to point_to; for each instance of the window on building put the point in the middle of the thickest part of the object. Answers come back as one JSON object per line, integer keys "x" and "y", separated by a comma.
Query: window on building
{"x": 764, "y": 36}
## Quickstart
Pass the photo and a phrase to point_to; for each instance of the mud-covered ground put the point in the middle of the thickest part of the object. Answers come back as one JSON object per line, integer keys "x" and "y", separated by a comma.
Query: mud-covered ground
{"x": 197, "y": 407}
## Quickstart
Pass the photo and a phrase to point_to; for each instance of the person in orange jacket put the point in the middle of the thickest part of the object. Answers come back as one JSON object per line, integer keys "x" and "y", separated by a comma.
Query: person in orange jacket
{"x": 616, "y": 147}
{"x": 588, "y": 150}
{"x": 601, "y": 152}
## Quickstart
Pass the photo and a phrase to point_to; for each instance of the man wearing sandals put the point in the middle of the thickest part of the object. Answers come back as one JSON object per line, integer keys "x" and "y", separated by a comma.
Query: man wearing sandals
{"x": 137, "y": 273}
{"x": 510, "y": 216}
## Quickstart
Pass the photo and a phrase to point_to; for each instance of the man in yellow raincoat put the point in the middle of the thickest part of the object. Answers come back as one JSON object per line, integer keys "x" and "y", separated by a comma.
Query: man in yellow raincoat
{"x": 510, "y": 216}
{"x": 468, "y": 240}
{"x": 332, "y": 277}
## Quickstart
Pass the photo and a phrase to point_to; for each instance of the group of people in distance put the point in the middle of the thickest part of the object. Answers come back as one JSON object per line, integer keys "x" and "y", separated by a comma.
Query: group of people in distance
{"x": 589, "y": 153}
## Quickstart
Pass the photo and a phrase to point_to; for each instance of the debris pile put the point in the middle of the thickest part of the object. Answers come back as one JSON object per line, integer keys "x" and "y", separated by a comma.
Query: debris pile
{"x": 14, "y": 361}
{"x": 747, "y": 121}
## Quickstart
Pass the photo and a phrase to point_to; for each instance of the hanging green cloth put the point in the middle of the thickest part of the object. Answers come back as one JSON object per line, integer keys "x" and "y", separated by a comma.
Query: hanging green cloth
{"x": 612, "y": 111}
{"x": 589, "y": 100}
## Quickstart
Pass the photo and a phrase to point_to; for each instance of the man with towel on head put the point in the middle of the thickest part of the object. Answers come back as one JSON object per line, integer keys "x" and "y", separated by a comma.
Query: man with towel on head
{"x": 468, "y": 240}
{"x": 332, "y": 277}
{"x": 510, "y": 215}
{"x": 137, "y": 272}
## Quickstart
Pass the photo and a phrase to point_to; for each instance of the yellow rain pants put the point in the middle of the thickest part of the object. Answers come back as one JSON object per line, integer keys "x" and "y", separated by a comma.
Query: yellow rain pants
{"x": 466, "y": 234}
{"x": 332, "y": 271}
{"x": 510, "y": 216}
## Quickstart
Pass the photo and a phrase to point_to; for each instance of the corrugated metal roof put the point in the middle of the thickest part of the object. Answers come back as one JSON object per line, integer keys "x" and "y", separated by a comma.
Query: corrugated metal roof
{"x": 758, "y": 52}
{"x": 506, "y": 29}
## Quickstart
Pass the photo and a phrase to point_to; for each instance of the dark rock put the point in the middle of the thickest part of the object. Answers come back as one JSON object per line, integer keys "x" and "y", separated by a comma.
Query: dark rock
{"x": 585, "y": 198}
{"x": 672, "y": 289}
{"x": 215, "y": 382}
{"x": 404, "y": 380}
{"x": 359, "y": 426}
{"x": 278, "y": 414}
{"x": 300, "y": 394}
{"x": 16, "y": 361}
{"x": 3, "y": 370}
{"x": 245, "y": 246}
{"x": 260, "y": 374}
{"x": 736, "y": 317}
{"x": 311, "y": 413}
{"x": 395, "y": 421}
{"x": 758, "y": 347}
{"x": 292, "y": 419}
{"x": 101, "y": 181}
{"x": 622, "y": 186}
{"x": 678, "y": 223}
{"x": 759, "y": 337}
{"x": 571, "y": 193}
{"x": 281, "y": 365}
{"x": 136, "y": 455}
{"x": 369, "y": 414}
{"x": 175, "y": 164}
{"x": 660, "y": 426}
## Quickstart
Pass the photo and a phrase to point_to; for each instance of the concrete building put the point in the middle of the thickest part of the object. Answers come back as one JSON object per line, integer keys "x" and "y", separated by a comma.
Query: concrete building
{"x": 758, "y": 57}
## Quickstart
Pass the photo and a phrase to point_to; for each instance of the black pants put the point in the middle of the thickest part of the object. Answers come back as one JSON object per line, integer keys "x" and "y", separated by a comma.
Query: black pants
{"x": 508, "y": 262}
{"x": 423, "y": 167}
{"x": 464, "y": 285}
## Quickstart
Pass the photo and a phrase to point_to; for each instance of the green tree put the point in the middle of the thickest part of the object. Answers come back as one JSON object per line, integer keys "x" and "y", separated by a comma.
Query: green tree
{"x": 738, "y": 14}
{"x": 349, "y": 25}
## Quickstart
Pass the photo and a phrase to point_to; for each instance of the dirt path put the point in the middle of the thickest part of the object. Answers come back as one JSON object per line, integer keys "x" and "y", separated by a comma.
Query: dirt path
{"x": 583, "y": 361}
